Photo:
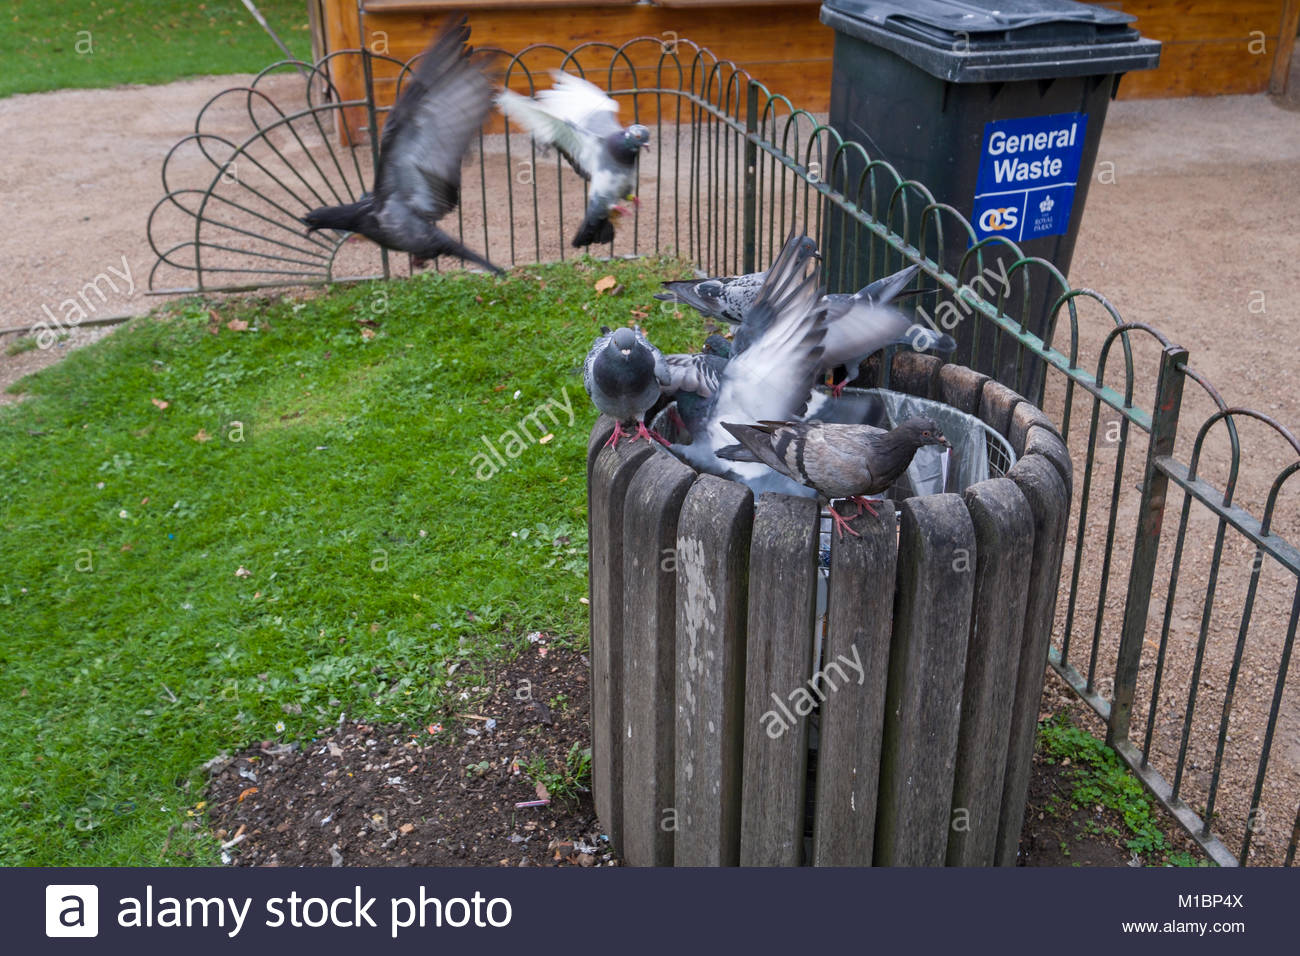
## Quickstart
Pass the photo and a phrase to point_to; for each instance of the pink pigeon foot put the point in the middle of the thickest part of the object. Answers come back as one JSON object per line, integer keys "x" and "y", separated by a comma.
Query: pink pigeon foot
{"x": 862, "y": 502}
{"x": 838, "y": 388}
{"x": 618, "y": 433}
{"x": 841, "y": 525}
{"x": 647, "y": 434}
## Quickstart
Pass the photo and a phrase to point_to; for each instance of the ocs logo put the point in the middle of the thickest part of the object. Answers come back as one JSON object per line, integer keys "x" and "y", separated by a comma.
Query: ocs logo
{"x": 999, "y": 220}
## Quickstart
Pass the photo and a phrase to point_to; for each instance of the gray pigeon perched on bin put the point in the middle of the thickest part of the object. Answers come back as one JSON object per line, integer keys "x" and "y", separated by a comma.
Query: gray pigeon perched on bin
{"x": 838, "y": 461}
{"x": 620, "y": 375}
{"x": 724, "y": 297}
{"x": 581, "y": 122}
{"x": 417, "y": 180}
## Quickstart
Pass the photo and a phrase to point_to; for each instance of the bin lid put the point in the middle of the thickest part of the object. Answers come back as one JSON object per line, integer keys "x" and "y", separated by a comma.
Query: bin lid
{"x": 982, "y": 41}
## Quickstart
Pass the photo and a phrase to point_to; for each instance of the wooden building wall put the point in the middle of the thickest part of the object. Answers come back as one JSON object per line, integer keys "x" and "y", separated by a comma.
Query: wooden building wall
{"x": 1210, "y": 46}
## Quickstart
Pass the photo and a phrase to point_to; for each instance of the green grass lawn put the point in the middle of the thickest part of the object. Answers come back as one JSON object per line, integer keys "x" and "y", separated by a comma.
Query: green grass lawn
{"x": 58, "y": 44}
{"x": 303, "y": 530}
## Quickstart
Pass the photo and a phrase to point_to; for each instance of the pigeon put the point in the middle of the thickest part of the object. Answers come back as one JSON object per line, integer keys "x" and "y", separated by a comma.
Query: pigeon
{"x": 722, "y": 297}
{"x": 838, "y": 461}
{"x": 691, "y": 379}
{"x": 581, "y": 122}
{"x": 620, "y": 376}
{"x": 772, "y": 379}
{"x": 860, "y": 324}
{"x": 417, "y": 180}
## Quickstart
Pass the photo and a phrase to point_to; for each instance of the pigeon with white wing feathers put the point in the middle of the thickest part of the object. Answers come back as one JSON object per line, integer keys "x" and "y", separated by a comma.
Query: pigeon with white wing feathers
{"x": 723, "y": 297}
{"x": 581, "y": 122}
{"x": 417, "y": 181}
{"x": 773, "y": 378}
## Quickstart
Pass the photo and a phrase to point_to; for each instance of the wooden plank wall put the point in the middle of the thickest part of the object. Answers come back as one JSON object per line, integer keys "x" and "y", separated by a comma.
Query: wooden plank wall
{"x": 1211, "y": 47}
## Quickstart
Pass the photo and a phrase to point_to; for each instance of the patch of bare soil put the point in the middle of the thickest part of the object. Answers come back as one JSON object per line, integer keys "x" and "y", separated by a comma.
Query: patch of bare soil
{"x": 389, "y": 796}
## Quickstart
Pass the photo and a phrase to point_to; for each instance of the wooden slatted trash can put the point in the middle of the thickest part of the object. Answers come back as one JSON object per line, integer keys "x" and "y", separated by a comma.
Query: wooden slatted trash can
{"x": 733, "y": 724}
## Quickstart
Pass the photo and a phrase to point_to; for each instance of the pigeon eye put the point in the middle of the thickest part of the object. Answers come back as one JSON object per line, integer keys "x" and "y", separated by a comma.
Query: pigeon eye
{"x": 925, "y": 434}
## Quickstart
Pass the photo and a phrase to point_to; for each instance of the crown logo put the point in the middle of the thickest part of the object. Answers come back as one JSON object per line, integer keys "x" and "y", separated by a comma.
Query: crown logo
{"x": 1046, "y": 205}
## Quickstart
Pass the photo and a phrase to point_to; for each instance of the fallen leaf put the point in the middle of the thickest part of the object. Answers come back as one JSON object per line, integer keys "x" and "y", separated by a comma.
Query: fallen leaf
{"x": 542, "y": 792}
{"x": 406, "y": 827}
{"x": 608, "y": 282}
{"x": 243, "y": 572}
{"x": 201, "y": 436}
{"x": 545, "y": 438}
{"x": 159, "y": 402}
{"x": 246, "y": 793}
{"x": 367, "y": 333}
{"x": 237, "y": 325}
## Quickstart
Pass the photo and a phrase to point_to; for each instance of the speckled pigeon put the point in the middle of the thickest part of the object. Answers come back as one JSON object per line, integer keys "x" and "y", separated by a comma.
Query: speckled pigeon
{"x": 838, "y": 461}
{"x": 620, "y": 376}
{"x": 862, "y": 323}
{"x": 417, "y": 182}
{"x": 581, "y": 122}
{"x": 723, "y": 297}
{"x": 772, "y": 379}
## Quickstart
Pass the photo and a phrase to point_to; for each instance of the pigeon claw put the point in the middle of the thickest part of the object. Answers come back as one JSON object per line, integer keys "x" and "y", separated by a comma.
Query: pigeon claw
{"x": 838, "y": 388}
{"x": 841, "y": 525}
{"x": 862, "y": 502}
{"x": 617, "y": 434}
{"x": 648, "y": 434}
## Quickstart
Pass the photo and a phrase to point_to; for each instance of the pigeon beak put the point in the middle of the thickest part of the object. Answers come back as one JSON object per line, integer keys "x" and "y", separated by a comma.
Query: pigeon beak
{"x": 943, "y": 441}
{"x": 626, "y": 351}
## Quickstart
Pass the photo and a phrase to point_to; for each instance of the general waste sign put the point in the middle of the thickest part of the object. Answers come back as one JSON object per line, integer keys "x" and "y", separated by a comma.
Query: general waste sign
{"x": 1029, "y": 169}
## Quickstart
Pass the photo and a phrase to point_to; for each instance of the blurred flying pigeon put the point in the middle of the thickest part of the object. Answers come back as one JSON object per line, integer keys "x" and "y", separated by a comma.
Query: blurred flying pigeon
{"x": 581, "y": 122}
{"x": 839, "y": 461}
{"x": 723, "y": 297}
{"x": 619, "y": 375}
{"x": 417, "y": 181}
{"x": 862, "y": 323}
{"x": 772, "y": 379}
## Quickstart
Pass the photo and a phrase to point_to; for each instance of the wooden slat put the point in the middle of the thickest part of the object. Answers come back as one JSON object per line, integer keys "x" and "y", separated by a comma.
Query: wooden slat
{"x": 1285, "y": 48}
{"x": 960, "y": 387}
{"x": 915, "y": 373}
{"x": 1049, "y": 502}
{"x": 778, "y": 666}
{"x": 1004, "y": 543}
{"x": 650, "y": 511}
{"x": 927, "y": 664}
{"x": 997, "y": 403}
{"x": 1025, "y": 416}
{"x": 1046, "y": 442}
{"x": 860, "y": 612}
{"x": 713, "y": 533}
{"x": 610, "y": 474}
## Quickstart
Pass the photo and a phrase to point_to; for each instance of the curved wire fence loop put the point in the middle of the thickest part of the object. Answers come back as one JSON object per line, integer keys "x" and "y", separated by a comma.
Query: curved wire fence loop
{"x": 1120, "y": 332}
{"x": 1227, "y": 415}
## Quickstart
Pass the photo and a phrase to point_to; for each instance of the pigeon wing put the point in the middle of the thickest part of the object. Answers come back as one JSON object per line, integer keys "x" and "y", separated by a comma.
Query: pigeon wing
{"x": 771, "y": 380}
{"x": 573, "y": 116}
{"x": 441, "y": 106}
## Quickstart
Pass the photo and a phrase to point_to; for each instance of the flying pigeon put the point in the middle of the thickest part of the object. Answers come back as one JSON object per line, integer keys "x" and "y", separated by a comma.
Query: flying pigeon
{"x": 722, "y": 297}
{"x": 581, "y": 122}
{"x": 620, "y": 376}
{"x": 838, "y": 461}
{"x": 417, "y": 180}
{"x": 860, "y": 324}
{"x": 772, "y": 379}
